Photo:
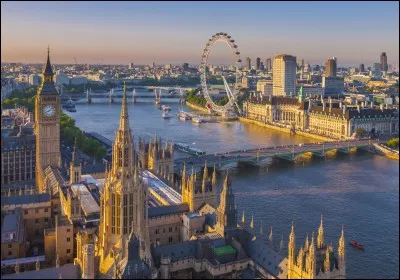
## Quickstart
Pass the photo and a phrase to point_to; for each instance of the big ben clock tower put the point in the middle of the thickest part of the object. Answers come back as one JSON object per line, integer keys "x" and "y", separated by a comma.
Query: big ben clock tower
{"x": 47, "y": 125}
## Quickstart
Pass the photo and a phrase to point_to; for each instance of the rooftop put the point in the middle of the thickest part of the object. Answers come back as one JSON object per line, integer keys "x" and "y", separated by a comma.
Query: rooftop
{"x": 25, "y": 199}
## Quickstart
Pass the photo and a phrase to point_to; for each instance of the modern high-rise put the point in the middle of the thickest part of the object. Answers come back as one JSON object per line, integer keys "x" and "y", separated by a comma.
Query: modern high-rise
{"x": 268, "y": 65}
{"x": 376, "y": 67}
{"x": 384, "y": 65}
{"x": 258, "y": 63}
{"x": 284, "y": 75}
{"x": 330, "y": 68}
{"x": 130, "y": 65}
{"x": 248, "y": 63}
{"x": 361, "y": 68}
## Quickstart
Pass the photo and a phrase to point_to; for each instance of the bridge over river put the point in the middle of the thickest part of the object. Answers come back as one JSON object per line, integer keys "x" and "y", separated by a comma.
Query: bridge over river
{"x": 256, "y": 157}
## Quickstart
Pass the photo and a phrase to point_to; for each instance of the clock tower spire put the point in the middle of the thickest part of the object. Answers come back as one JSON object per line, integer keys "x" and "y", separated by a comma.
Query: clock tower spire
{"x": 47, "y": 125}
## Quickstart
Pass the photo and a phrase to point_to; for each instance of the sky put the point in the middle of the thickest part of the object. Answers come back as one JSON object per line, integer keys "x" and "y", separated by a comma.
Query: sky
{"x": 177, "y": 32}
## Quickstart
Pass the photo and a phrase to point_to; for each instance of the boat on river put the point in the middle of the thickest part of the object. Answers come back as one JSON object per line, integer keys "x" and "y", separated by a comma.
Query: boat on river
{"x": 165, "y": 115}
{"x": 357, "y": 245}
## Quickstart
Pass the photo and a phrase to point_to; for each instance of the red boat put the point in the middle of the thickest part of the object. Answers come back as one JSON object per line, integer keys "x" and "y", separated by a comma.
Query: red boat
{"x": 357, "y": 245}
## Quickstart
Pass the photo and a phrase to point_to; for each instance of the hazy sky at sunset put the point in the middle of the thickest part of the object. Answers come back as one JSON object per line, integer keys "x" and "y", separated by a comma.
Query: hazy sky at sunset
{"x": 176, "y": 32}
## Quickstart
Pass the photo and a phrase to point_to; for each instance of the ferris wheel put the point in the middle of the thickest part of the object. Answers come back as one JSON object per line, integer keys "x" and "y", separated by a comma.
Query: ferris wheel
{"x": 232, "y": 94}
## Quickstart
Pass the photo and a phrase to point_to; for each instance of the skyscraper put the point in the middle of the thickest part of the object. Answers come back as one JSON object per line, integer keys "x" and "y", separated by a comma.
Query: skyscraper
{"x": 284, "y": 75}
{"x": 384, "y": 65}
{"x": 258, "y": 61}
{"x": 248, "y": 63}
{"x": 268, "y": 65}
{"x": 330, "y": 68}
{"x": 361, "y": 68}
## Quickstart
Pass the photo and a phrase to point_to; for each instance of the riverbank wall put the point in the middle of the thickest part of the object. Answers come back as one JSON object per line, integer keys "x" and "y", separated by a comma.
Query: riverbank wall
{"x": 196, "y": 107}
{"x": 285, "y": 130}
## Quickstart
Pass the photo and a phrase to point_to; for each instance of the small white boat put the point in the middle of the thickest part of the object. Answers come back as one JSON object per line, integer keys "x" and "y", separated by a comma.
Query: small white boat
{"x": 165, "y": 108}
{"x": 197, "y": 120}
{"x": 165, "y": 115}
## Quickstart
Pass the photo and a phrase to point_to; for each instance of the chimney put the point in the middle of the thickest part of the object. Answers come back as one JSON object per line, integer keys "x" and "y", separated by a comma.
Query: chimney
{"x": 330, "y": 105}
{"x": 309, "y": 104}
{"x": 358, "y": 108}
{"x": 344, "y": 109}
{"x": 387, "y": 106}
{"x": 381, "y": 107}
{"x": 323, "y": 106}
{"x": 340, "y": 103}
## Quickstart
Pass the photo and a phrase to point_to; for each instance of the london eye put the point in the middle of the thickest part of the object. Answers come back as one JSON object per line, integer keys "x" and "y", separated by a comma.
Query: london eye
{"x": 231, "y": 93}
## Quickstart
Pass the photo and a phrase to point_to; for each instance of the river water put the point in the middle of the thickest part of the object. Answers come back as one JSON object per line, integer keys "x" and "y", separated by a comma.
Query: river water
{"x": 359, "y": 191}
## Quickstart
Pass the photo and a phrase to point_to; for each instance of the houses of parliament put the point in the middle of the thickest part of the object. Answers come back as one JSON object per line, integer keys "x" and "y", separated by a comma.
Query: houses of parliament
{"x": 119, "y": 228}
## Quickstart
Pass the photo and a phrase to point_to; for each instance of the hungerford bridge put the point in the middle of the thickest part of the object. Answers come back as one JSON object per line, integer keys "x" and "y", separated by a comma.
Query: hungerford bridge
{"x": 258, "y": 157}
{"x": 114, "y": 94}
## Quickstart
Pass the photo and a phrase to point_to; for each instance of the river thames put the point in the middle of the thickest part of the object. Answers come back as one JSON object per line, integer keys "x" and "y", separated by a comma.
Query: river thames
{"x": 358, "y": 191}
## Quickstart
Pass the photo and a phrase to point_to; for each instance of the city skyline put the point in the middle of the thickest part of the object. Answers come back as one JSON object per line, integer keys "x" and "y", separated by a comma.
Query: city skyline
{"x": 120, "y": 31}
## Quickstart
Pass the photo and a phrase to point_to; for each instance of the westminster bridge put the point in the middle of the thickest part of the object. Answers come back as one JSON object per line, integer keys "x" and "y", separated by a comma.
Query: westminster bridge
{"x": 260, "y": 156}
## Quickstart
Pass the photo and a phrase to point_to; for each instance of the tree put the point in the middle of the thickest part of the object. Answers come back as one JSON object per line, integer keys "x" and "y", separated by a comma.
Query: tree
{"x": 360, "y": 132}
{"x": 393, "y": 143}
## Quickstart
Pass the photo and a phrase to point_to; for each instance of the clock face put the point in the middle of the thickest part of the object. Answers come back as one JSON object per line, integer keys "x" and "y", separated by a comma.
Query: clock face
{"x": 49, "y": 110}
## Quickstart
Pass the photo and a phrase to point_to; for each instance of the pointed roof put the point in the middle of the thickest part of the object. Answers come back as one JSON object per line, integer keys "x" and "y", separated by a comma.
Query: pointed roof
{"x": 48, "y": 70}
{"x": 124, "y": 120}
{"x": 75, "y": 156}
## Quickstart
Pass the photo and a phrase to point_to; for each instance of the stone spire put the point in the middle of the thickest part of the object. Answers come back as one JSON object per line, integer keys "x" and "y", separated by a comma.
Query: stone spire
{"x": 311, "y": 268}
{"x": 123, "y": 147}
{"x": 327, "y": 263}
{"x": 306, "y": 243}
{"x": 341, "y": 248}
{"x": 252, "y": 222}
{"x": 124, "y": 122}
{"x": 270, "y": 237}
{"x": 243, "y": 220}
{"x": 300, "y": 258}
{"x": 320, "y": 238}
{"x": 183, "y": 185}
{"x": 292, "y": 247}
{"x": 75, "y": 156}
{"x": 205, "y": 178}
{"x": 226, "y": 211}
{"x": 214, "y": 179}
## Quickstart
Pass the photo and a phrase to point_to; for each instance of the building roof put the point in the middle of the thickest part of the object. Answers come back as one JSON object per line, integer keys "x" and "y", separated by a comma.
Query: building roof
{"x": 67, "y": 271}
{"x": 25, "y": 199}
{"x": 168, "y": 210}
{"x": 94, "y": 168}
{"x": 18, "y": 142}
{"x": 224, "y": 250}
{"x": 88, "y": 203}
{"x": 12, "y": 223}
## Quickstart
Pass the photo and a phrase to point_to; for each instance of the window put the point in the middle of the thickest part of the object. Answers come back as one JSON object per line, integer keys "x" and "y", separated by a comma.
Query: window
{"x": 9, "y": 246}
{"x": 36, "y": 221}
{"x": 68, "y": 251}
{"x": 163, "y": 230}
{"x": 170, "y": 239}
{"x": 26, "y": 212}
{"x": 36, "y": 210}
{"x": 68, "y": 229}
{"x": 46, "y": 209}
{"x": 46, "y": 220}
{"x": 157, "y": 231}
{"x": 9, "y": 253}
{"x": 170, "y": 229}
{"x": 68, "y": 239}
